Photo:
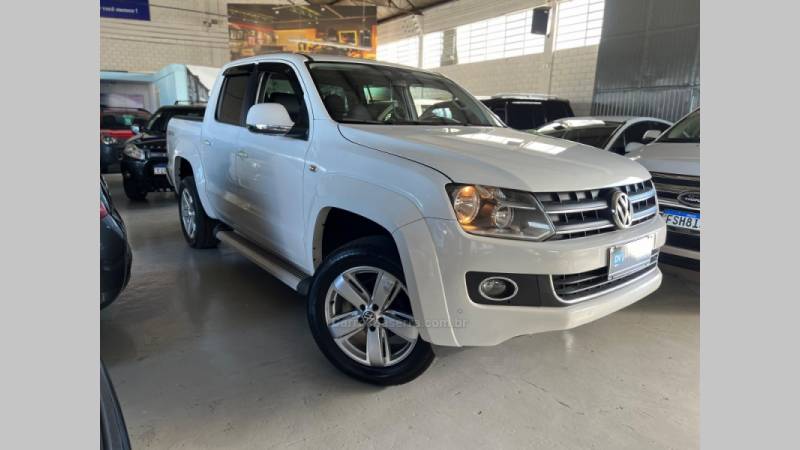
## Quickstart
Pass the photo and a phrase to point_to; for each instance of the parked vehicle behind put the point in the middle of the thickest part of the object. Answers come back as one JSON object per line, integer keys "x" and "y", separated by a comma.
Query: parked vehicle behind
{"x": 115, "y": 129}
{"x": 674, "y": 161}
{"x": 528, "y": 111}
{"x": 115, "y": 253}
{"x": 144, "y": 158}
{"x": 618, "y": 134}
{"x": 405, "y": 227}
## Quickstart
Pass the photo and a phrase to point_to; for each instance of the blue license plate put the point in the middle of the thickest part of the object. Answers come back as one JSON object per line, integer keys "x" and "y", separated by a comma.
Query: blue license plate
{"x": 682, "y": 219}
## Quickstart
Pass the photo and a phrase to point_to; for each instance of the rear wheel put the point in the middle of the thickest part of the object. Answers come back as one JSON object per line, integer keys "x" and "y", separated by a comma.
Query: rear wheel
{"x": 360, "y": 315}
{"x": 197, "y": 227}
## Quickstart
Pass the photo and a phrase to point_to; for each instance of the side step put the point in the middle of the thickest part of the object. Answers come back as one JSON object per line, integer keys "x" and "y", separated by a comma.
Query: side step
{"x": 267, "y": 261}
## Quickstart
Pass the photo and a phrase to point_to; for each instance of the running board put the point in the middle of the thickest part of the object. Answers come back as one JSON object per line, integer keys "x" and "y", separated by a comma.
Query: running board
{"x": 267, "y": 261}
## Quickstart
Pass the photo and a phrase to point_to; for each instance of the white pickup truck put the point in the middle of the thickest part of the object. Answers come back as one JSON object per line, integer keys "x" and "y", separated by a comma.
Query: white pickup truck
{"x": 406, "y": 212}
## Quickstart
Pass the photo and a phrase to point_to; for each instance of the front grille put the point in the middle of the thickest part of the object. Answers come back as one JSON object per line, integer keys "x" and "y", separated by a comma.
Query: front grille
{"x": 583, "y": 285}
{"x": 683, "y": 240}
{"x": 585, "y": 213}
{"x": 670, "y": 186}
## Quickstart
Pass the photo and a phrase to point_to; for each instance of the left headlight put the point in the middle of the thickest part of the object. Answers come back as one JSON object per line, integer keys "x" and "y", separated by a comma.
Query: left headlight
{"x": 496, "y": 212}
{"x": 134, "y": 152}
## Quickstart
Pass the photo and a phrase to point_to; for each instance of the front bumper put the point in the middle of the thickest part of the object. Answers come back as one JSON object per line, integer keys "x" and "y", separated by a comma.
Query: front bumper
{"x": 141, "y": 173}
{"x": 437, "y": 254}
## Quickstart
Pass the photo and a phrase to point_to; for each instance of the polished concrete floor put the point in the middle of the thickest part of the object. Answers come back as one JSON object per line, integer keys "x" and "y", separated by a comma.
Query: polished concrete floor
{"x": 208, "y": 351}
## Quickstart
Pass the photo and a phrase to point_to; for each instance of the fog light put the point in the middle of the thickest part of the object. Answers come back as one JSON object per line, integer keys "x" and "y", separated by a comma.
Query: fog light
{"x": 498, "y": 289}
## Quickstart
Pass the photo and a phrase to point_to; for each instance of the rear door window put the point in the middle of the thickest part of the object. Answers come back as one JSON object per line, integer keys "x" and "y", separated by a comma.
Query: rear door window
{"x": 229, "y": 108}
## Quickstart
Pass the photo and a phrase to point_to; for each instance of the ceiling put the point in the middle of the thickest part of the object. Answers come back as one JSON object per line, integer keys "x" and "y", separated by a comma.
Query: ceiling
{"x": 387, "y": 9}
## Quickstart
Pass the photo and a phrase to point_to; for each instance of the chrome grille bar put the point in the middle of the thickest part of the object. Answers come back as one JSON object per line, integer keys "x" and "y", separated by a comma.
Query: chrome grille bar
{"x": 584, "y": 213}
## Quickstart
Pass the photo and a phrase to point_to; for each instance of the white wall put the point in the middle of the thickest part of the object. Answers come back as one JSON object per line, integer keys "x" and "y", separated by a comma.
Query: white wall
{"x": 566, "y": 73}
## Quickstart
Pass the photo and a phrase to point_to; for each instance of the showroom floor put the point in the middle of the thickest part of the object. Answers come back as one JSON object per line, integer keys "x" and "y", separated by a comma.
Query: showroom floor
{"x": 208, "y": 351}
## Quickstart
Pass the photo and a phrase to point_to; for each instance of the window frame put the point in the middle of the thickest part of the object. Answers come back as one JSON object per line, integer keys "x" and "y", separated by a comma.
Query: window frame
{"x": 245, "y": 70}
{"x": 257, "y": 79}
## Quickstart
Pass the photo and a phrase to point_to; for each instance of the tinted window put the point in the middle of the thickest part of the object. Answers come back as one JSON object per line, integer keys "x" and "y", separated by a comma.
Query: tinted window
{"x": 586, "y": 131}
{"x": 366, "y": 93}
{"x": 278, "y": 84}
{"x": 232, "y": 99}
{"x": 556, "y": 110}
{"x": 594, "y": 136}
{"x": 687, "y": 130}
{"x": 162, "y": 117}
{"x": 526, "y": 115}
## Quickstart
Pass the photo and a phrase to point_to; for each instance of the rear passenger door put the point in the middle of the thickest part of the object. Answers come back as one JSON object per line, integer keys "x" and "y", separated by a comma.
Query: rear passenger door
{"x": 219, "y": 144}
{"x": 271, "y": 167}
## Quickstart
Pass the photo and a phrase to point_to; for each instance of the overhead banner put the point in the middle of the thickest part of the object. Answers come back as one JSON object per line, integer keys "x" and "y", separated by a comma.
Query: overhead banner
{"x": 333, "y": 30}
{"x": 125, "y": 9}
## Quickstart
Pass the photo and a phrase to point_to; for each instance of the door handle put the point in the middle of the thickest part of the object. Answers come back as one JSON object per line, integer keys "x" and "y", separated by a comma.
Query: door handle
{"x": 241, "y": 154}
{"x": 207, "y": 142}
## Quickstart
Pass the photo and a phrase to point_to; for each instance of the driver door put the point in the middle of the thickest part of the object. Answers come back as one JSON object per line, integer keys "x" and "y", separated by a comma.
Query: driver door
{"x": 271, "y": 167}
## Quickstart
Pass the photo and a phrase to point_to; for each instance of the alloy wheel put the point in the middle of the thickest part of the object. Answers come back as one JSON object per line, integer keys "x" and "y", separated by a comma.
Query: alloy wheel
{"x": 188, "y": 213}
{"x": 369, "y": 316}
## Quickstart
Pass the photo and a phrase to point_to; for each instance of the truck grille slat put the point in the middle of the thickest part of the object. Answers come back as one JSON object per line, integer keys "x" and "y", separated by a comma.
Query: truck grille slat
{"x": 585, "y": 213}
{"x": 580, "y": 286}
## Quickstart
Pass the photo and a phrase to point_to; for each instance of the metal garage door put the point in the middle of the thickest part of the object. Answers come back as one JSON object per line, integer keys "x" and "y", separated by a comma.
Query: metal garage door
{"x": 649, "y": 59}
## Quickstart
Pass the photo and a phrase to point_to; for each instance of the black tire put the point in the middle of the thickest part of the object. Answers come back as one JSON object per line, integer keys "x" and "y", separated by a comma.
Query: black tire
{"x": 379, "y": 252}
{"x": 204, "y": 226}
{"x": 133, "y": 191}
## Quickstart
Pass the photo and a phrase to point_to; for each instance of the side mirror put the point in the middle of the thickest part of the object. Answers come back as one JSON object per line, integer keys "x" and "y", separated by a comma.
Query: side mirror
{"x": 269, "y": 118}
{"x": 136, "y": 129}
{"x": 633, "y": 146}
{"x": 650, "y": 136}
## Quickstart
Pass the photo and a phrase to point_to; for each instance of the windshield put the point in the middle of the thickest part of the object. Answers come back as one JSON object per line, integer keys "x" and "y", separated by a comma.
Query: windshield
{"x": 687, "y": 130}
{"x": 596, "y": 133}
{"x": 122, "y": 119}
{"x": 366, "y": 93}
{"x": 159, "y": 121}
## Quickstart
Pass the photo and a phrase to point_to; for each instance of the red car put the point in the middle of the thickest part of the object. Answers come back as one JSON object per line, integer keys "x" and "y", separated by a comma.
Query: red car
{"x": 115, "y": 129}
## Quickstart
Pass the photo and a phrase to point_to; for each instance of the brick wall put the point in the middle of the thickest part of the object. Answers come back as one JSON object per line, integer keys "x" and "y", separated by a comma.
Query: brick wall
{"x": 181, "y": 32}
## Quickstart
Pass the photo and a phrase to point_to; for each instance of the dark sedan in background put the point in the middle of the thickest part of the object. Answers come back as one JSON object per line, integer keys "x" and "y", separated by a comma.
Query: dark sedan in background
{"x": 115, "y": 253}
{"x": 115, "y": 129}
{"x": 144, "y": 158}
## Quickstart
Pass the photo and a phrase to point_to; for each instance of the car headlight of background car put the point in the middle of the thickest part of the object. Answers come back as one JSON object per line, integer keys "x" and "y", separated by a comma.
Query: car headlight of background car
{"x": 132, "y": 151}
{"x": 108, "y": 140}
{"x": 496, "y": 212}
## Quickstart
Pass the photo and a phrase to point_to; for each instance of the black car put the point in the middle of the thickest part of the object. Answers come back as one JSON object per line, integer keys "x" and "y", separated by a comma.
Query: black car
{"x": 115, "y": 128}
{"x": 528, "y": 111}
{"x": 115, "y": 253}
{"x": 144, "y": 158}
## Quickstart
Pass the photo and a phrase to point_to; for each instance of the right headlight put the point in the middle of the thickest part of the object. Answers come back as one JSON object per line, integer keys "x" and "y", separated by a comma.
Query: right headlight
{"x": 134, "y": 152}
{"x": 496, "y": 212}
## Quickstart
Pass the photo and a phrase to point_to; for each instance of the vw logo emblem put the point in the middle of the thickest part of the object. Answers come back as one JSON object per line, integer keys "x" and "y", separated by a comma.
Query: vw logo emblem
{"x": 621, "y": 209}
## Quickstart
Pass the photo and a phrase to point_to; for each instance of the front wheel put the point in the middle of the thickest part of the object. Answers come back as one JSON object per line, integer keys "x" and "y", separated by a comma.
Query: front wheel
{"x": 197, "y": 227}
{"x": 361, "y": 318}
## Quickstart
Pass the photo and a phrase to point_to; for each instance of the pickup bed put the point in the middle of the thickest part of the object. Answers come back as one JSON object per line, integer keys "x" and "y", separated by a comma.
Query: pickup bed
{"x": 406, "y": 213}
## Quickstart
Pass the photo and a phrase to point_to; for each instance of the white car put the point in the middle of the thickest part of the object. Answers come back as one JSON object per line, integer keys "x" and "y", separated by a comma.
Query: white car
{"x": 406, "y": 229}
{"x": 674, "y": 161}
{"x": 618, "y": 134}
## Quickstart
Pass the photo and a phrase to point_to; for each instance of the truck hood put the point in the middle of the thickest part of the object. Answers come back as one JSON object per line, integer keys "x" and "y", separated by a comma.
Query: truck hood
{"x": 669, "y": 157}
{"x": 500, "y": 156}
